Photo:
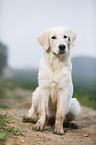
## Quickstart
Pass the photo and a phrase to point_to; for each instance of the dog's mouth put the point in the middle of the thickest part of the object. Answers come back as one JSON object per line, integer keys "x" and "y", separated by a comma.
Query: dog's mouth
{"x": 60, "y": 52}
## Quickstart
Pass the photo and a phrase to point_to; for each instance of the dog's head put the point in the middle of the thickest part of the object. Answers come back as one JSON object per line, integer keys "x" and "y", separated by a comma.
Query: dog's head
{"x": 57, "y": 39}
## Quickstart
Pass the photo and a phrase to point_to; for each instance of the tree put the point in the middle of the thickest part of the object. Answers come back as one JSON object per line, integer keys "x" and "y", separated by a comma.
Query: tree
{"x": 3, "y": 57}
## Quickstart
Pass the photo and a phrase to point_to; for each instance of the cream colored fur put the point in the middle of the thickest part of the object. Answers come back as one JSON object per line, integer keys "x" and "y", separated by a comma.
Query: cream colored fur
{"x": 53, "y": 97}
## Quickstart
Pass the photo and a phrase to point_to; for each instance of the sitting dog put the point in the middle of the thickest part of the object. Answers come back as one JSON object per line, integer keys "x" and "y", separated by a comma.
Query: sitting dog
{"x": 53, "y": 97}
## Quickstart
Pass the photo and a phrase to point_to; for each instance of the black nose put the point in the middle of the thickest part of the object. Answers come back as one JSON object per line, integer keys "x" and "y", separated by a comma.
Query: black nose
{"x": 62, "y": 47}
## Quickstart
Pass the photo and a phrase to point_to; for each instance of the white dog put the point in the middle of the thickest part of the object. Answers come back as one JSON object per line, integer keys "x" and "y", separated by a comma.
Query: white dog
{"x": 53, "y": 97}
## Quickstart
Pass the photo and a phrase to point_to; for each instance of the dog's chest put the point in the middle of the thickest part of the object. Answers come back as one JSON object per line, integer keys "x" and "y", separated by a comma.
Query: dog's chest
{"x": 54, "y": 81}
{"x": 54, "y": 92}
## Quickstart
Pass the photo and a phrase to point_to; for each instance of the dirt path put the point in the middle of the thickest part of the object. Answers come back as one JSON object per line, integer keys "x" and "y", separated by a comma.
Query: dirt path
{"x": 85, "y": 135}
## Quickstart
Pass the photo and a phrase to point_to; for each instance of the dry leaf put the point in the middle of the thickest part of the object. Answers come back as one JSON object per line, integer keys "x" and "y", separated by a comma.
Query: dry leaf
{"x": 86, "y": 135}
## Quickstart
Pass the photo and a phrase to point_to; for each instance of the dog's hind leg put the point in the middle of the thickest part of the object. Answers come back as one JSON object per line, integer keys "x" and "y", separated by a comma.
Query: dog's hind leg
{"x": 32, "y": 115}
{"x": 73, "y": 111}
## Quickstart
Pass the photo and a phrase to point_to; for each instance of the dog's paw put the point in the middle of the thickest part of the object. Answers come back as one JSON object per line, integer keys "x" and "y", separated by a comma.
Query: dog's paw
{"x": 39, "y": 126}
{"x": 58, "y": 130}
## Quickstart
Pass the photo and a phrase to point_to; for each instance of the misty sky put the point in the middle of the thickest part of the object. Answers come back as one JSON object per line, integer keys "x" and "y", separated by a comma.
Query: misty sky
{"x": 21, "y": 21}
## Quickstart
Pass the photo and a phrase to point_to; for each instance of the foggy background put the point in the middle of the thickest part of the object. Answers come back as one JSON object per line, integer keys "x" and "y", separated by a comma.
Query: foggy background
{"x": 21, "y": 21}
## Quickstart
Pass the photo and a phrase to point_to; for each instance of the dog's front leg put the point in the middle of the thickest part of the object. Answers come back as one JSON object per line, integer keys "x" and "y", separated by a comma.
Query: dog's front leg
{"x": 60, "y": 113}
{"x": 42, "y": 107}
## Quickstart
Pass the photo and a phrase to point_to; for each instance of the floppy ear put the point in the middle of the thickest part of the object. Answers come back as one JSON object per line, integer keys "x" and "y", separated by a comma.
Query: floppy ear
{"x": 72, "y": 37}
{"x": 43, "y": 39}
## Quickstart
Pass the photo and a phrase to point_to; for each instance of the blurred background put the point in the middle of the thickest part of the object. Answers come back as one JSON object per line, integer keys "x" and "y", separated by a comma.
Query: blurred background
{"x": 21, "y": 21}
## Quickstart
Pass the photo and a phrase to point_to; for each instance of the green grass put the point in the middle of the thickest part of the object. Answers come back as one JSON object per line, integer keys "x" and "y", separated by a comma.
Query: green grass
{"x": 4, "y": 106}
{"x": 3, "y": 132}
{"x": 26, "y": 79}
{"x": 85, "y": 92}
{"x": 86, "y": 100}
{"x": 2, "y": 87}
{"x": 22, "y": 84}
{"x": 6, "y": 130}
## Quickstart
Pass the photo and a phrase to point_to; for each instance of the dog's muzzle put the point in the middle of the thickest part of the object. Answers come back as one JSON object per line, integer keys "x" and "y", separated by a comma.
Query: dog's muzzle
{"x": 62, "y": 48}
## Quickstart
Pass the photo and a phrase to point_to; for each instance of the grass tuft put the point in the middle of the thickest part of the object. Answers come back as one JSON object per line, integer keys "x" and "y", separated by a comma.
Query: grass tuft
{"x": 6, "y": 130}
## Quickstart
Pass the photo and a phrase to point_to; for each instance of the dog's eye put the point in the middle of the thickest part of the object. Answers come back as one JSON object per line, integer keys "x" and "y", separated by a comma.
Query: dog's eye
{"x": 65, "y": 36}
{"x": 53, "y": 37}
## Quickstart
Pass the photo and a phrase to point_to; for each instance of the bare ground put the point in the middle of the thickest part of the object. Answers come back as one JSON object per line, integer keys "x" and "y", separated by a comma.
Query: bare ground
{"x": 20, "y": 99}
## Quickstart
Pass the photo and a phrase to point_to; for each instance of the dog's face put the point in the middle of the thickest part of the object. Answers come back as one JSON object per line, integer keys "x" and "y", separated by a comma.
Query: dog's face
{"x": 57, "y": 39}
